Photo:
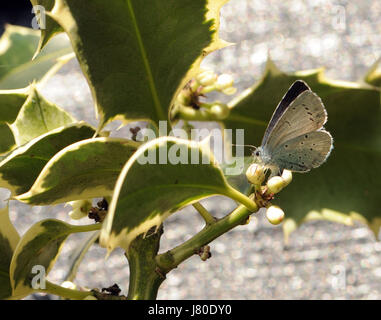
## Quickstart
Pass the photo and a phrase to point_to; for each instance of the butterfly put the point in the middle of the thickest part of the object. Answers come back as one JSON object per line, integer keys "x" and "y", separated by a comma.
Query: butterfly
{"x": 295, "y": 138}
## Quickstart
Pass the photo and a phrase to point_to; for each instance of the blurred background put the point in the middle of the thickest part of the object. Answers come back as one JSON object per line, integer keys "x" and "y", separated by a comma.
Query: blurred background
{"x": 15, "y": 12}
{"x": 322, "y": 260}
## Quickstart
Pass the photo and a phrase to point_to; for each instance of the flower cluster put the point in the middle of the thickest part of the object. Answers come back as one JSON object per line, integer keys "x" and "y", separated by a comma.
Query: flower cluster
{"x": 256, "y": 175}
{"x": 209, "y": 81}
{"x": 205, "y": 82}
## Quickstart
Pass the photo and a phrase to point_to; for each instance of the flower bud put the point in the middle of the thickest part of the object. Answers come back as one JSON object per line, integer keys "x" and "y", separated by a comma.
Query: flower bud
{"x": 220, "y": 110}
{"x": 206, "y": 78}
{"x": 287, "y": 177}
{"x": 229, "y": 91}
{"x": 275, "y": 215}
{"x": 80, "y": 209}
{"x": 255, "y": 174}
{"x": 275, "y": 184}
{"x": 224, "y": 81}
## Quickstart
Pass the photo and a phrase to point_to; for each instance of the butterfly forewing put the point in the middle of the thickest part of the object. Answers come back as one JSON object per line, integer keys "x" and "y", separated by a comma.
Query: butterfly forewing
{"x": 304, "y": 115}
{"x": 295, "y": 90}
{"x": 304, "y": 152}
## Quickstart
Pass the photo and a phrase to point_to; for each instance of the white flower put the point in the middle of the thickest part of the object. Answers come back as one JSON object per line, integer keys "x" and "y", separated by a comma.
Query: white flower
{"x": 224, "y": 81}
{"x": 255, "y": 174}
{"x": 206, "y": 78}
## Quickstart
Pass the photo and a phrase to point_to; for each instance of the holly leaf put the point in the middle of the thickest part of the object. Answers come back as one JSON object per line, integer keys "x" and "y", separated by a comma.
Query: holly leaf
{"x": 9, "y": 239}
{"x": 7, "y": 140}
{"x": 31, "y": 115}
{"x": 11, "y": 102}
{"x": 36, "y": 253}
{"x": 142, "y": 51}
{"x": 20, "y": 168}
{"x": 163, "y": 176}
{"x": 84, "y": 170}
{"x": 17, "y": 47}
{"x": 49, "y": 27}
{"x": 348, "y": 184}
{"x": 37, "y": 117}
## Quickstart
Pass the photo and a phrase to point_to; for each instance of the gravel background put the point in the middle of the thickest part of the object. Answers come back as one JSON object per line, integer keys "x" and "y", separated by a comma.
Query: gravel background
{"x": 322, "y": 260}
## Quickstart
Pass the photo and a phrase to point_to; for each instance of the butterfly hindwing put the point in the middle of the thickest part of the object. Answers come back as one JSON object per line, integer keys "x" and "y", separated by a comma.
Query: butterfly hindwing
{"x": 304, "y": 152}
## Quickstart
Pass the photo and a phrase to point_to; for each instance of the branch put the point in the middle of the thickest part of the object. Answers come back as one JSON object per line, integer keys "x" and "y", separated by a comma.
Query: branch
{"x": 172, "y": 258}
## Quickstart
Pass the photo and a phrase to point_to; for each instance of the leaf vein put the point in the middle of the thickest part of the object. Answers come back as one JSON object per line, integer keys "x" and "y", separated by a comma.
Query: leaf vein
{"x": 147, "y": 66}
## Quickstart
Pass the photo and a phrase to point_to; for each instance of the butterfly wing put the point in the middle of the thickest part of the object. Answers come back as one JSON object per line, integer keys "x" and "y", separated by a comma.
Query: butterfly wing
{"x": 304, "y": 152}
{"x": 305, "y": 114}
{"x": 297, "y": 140}
{"x": 295, "y": 90}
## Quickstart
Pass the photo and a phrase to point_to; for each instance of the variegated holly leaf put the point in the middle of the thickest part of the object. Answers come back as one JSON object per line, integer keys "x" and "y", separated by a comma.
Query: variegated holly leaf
{"x": 20, "y": 168}
{"x": 49, "y": 27}
{"x": 37, "y": 117}
{"x": 348, "y": 183}
{"x": 84, "y": 170}
{"x": 147, "y": 49}
{"x": 7, "y": 140}
{"x": 17, "y": 47}
{"x": 25, "y": 115}
{"x": 9, "y": 239}
{"x": 37, "y": 252}
{"x": 11, "y": 102}
{"x": 163, "y": 176}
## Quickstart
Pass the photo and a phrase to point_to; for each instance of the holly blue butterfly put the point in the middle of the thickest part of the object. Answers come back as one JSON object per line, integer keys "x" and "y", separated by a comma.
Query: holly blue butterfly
{"x": 295, "y": 138}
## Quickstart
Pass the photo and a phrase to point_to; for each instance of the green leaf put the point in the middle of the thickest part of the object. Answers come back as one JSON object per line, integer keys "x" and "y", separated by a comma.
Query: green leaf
{"x": 51, "y": 27}
{"x": 8, "y": 242}
{"x": 84, "y": 170}
{"x": 7, "y": 140}
{"x": 31, "y": 115}
{"x": 141, "y": 52}
{"x": 349, "y": 182}
{"x": 37, "y": 117}
{"x": 19, "y": 169}
{"x": 17, "y": 47}
{"x": 148, "y": 190}
{"x": 39, "y": 246}
{"x": 79, "y": 253}
{"x": 11, "y": 102}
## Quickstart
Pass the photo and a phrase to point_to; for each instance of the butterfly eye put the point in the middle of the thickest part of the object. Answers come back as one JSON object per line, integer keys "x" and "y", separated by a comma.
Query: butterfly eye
{"x": 257, "y": 153}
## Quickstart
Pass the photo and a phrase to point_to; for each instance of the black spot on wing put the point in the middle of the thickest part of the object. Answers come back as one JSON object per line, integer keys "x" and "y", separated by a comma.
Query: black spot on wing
{"x": 293, "y": 166}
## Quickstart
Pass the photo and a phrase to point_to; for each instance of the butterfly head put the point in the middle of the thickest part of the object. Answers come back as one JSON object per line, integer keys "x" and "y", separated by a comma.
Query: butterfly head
{"x": 260, "y": 156}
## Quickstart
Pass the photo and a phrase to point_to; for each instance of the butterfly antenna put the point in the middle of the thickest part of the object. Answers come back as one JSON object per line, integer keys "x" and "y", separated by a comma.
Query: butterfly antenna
{"x": 244, "y": 145}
